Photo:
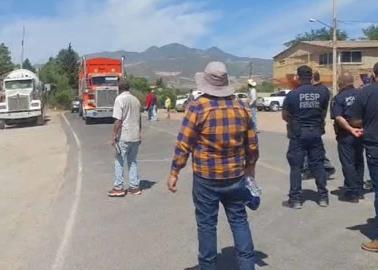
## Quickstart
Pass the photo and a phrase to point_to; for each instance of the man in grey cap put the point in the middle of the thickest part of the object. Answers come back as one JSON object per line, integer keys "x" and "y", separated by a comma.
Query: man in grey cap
{"x": 217, "y": 131}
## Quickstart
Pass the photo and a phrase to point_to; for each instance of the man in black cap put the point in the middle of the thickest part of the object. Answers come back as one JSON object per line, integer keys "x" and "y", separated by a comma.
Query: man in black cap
{"x": 304, "y": 110}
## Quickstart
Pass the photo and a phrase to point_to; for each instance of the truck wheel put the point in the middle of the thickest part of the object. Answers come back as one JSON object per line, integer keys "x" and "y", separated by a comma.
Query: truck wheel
{"x": 2, "y": 124}
{"x": 40, "y": 120}
{"x": 259, "y": 109}
{"x": 274, "y": 106}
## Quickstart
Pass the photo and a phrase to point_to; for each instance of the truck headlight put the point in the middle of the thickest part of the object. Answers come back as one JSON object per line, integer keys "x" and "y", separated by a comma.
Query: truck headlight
{"x": 35, "y": 104}
{"x": 3, "y": 107}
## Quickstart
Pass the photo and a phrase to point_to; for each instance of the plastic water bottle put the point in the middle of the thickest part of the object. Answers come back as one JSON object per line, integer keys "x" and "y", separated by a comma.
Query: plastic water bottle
{"x": 252, "y": 186}
{"x": 253, "y": 193}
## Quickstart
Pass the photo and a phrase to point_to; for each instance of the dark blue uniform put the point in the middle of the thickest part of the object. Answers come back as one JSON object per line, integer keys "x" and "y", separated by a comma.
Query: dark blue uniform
{"x": 366, "y": 109}
{"x": 307, "y": 108}
{"x": 349, "y": 147}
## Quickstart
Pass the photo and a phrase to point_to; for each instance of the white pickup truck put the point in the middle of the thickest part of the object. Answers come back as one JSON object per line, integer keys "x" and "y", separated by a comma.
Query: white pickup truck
{"x": 272, "y": 103}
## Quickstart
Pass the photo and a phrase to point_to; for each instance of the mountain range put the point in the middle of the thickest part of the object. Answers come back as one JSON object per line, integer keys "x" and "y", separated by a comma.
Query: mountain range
{"x": 177, "y": 64}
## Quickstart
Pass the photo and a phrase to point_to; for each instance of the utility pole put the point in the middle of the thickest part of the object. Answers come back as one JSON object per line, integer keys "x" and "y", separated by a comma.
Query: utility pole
{"x": 334, "y": 51}
{"x": 22, "y": 46}
{"x": 250, "y": 69}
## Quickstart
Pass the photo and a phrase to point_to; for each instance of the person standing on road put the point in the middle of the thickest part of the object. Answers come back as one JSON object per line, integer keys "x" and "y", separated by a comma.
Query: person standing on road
{"x": 126, "y": 140}
{"x": 349, "y": 144}
{"x": 168, "y": 105}
{"x": 217, "y": 132}
{"x": 149, "y": 104}
{"x": 330, "y": 169}
{"x": 365, "y": 115}
{"x": 154, "y": 106}
{"x": 304, "y": 110}
{"x": 253, "y": 100}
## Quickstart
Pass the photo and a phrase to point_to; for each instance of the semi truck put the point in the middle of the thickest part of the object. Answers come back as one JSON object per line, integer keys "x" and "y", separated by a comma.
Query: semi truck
{"x": 22, "y": 99}
{"x": 98, "y": 87}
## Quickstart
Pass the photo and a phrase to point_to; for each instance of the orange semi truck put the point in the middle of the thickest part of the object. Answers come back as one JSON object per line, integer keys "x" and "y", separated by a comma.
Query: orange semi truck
{"x": 98, "y": 87}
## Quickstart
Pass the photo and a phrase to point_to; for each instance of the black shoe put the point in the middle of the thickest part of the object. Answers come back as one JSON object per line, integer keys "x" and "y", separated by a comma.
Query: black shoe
{"x": 349, "y": 196}
{"x": 294, "y": 204}
{"x": 323, "y": 202}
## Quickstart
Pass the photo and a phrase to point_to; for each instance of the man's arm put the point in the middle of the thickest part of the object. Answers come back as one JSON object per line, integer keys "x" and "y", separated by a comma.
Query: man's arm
{"x": 252, "y": 150}
{"x": 186, "y": 139}
{"x": 116, "y": 131}
{"x": 184, "y": 145}
{"x": 285, "y": 116}
{"x": 344, "y": 124}
{"x": 117, "y": 115}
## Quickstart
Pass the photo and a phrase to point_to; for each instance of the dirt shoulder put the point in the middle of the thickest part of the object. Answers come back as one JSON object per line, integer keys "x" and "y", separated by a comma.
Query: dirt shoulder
{"x": 32, "y": 164}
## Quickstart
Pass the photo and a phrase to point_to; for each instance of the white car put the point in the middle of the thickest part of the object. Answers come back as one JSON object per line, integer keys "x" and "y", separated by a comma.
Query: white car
{"x": 182, "y": 101}
{"x": 243, "y": 97}
{"x": 272, "y": 103}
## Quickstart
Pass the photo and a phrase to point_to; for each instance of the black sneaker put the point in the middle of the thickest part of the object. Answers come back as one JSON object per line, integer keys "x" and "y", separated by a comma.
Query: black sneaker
{"x": 323, "y": 202}
{"x": 349, "y": 196}
{"x": 294, "y": 204}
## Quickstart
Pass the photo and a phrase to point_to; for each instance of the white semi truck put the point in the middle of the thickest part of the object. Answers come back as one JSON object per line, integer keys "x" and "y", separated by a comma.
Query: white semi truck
{"x": 21, "y": 99}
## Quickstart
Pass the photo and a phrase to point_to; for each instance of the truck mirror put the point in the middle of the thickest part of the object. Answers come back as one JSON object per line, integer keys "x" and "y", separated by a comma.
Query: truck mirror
{"x": 47, "y": 87}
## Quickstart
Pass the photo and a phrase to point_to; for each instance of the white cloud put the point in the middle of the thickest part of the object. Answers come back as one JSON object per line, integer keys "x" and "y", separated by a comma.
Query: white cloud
{"x": 113, "y": 24}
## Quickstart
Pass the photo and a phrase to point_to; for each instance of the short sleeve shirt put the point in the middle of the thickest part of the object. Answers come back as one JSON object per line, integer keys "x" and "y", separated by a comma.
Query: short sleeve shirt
{"x": 366, "y": 109}
{"x": 127, "y": 109}
{"x": 307, "y": 105}
{"x": 343, "y": 102}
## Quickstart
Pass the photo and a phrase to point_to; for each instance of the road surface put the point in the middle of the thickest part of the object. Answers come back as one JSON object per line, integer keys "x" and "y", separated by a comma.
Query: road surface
{"x": 156, "y": 231}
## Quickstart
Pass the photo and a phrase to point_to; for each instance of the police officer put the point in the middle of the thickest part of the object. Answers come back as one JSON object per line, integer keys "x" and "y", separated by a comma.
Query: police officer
{"x": 330, "y": 169}
{"x": 365, "y": 115}
{"x": 305, "y": 110}
{"x": 349, "y": 144}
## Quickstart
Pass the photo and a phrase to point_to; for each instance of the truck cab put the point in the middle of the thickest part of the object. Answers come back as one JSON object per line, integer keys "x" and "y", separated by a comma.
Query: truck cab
{"x": 99, "y": 80}
{"x": 22, "y": 99}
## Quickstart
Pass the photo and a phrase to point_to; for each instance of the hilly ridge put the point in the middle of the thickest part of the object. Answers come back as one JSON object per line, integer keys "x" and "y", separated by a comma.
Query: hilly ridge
{"x": 177, "y": 63}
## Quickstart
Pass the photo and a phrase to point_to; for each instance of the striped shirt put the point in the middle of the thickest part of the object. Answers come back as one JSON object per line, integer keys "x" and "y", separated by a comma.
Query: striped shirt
{"x": 218, "y": 133}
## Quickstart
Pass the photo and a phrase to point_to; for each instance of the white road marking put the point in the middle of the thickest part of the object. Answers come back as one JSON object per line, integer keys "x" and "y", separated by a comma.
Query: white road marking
{"x": 68, "y": 229}
{"x": 261, "y": 163}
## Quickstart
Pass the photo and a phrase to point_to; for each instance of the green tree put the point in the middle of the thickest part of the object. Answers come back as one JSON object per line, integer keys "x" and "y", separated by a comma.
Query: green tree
{"x": 265, "y": 87}
{"x": 27, "y": 65}
{"x": 6, "y": 64}
{"x": 139, "y": 83}
{"x": 371, "y": 32}
{"x": 68, "y": 61}
{"x": 319, "y": 34}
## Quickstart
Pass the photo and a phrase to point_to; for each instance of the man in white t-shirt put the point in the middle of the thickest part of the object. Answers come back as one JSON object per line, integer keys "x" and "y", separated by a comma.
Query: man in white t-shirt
{"x": 126, "y": 140}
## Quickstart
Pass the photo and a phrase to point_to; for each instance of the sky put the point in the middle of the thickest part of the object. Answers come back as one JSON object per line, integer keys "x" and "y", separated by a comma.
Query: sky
{"x": 251, "y": 28}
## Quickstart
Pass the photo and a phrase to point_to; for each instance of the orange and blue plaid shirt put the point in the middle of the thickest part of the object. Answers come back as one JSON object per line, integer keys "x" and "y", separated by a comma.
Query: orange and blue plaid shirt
{"x": 220, "y": 136}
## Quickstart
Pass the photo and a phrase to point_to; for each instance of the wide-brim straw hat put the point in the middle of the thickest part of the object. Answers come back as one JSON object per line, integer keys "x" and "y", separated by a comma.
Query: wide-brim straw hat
{"x": 214, "y": 80}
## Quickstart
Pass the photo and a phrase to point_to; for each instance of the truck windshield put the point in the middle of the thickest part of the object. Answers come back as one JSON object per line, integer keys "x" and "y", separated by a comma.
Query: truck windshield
{"x": 105, "y": 81}
{"x": 13, "y": 85}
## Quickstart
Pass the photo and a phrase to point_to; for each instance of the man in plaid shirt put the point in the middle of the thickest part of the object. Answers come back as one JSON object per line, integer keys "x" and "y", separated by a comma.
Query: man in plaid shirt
{"x": 218, "y": 132}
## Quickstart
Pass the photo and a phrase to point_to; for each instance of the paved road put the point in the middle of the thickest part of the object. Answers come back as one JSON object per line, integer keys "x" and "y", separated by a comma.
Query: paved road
{"x": 156, "y": 231}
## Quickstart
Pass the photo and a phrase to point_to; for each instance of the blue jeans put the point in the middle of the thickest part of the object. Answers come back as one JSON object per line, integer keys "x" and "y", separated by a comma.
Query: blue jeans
{"x": 372, "y": 161}
{"x": 150, "y": 113}
{"x": 206, "y": 197}
{"x": 129, "y": 152}
{"x": 298, "y": 147}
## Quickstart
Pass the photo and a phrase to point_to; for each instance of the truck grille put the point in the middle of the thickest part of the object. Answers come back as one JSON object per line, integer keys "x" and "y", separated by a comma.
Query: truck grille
{"x": 18, "y": 103}
{"x": 106, "y": 98}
